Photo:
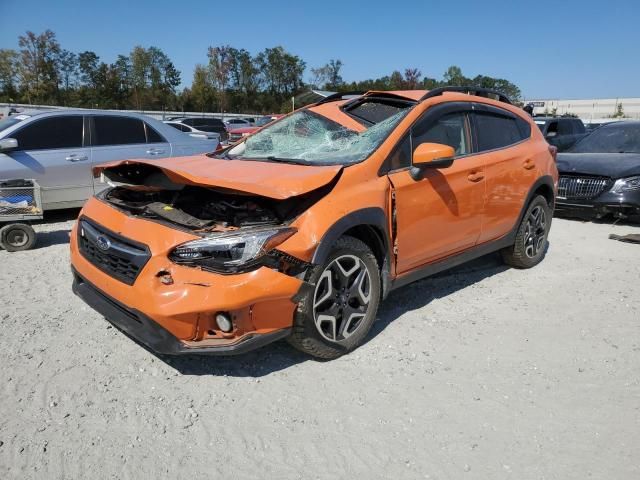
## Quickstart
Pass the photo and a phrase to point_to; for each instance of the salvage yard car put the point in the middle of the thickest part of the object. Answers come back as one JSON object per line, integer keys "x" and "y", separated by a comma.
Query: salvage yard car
{"x": 600, "y": 175}
{"x": 237, "y": 133}
{"x": 300, "y": 230}
{"x": 193, "y": 131}
{"x": 561, "y": 132}
{"x": 57, "y": 148}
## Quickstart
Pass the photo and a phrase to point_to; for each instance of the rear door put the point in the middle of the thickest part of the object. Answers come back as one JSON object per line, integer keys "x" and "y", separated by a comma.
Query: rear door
{"x": 500, "y": 140}
{"x": 52, "y": 151}
{"x": 440, "y": 214}
{"x": 115, "y": 137}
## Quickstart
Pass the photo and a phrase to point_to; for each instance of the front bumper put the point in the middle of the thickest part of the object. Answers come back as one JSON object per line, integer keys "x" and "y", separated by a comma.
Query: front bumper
{"x": 608, "y": 203}
{"x": 144, "y": 330}
{"x": 178, "y": 316}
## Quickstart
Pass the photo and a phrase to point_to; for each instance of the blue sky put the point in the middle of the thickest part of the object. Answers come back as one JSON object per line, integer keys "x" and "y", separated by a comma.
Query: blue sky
{"x": 560, "y": 48}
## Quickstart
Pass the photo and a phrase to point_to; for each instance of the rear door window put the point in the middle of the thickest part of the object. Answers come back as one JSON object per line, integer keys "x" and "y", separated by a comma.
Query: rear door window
{"x": 51, "y": 133}
{"x": 114, "y": 130}
{"x": 496, "y": 131}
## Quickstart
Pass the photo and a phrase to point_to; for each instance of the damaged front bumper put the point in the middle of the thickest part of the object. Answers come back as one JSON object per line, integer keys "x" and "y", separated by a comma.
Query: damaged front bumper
{"x": 172, "y": 308}
{"x": 144, "y": 330}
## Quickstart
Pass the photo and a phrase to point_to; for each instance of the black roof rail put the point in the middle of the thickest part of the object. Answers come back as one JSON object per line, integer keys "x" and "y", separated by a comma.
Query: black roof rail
{"x": 339, "y": 96}
{"x": 478, "y": 91}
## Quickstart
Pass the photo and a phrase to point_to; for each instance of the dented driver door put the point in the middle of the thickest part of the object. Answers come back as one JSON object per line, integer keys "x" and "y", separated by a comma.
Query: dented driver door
{"x": 439, "y": 214}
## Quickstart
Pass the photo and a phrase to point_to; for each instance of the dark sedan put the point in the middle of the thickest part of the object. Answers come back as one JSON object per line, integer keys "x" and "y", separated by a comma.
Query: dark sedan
{"x": 600, "y": 175}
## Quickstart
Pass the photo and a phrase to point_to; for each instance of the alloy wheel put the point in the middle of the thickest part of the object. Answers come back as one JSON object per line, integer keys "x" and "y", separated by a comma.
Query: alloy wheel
{"x": 535, "y": 232}
{"x": 342, "y": 298}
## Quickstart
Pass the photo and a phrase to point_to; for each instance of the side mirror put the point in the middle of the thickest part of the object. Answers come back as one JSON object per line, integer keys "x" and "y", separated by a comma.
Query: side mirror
{"x": 431, "y": 155}
{"x": 8, "y": 144}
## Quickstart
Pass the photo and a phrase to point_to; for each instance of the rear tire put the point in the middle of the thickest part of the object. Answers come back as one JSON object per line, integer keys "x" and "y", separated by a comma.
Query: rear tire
{"x": 335, "y": 316}
{"x": 531, "y": 239}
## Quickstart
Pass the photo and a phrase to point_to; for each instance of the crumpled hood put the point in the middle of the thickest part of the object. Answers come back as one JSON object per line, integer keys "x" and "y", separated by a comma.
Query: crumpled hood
{"x": 614, "y": 165}
{"x": 269, "y": 179}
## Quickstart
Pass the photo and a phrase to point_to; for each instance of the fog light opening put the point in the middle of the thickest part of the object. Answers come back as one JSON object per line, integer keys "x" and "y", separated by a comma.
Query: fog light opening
{"x": 223, "y": 320}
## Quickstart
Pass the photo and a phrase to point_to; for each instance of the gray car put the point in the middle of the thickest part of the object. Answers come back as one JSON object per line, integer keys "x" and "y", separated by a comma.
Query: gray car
{"x": 58, "y": 148}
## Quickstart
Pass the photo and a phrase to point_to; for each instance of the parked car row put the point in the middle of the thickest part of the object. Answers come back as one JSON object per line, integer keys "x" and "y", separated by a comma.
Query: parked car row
{"x": 237, "y": 134}
{"x": 229, "y": 130}
{"x": 425, "y": 179}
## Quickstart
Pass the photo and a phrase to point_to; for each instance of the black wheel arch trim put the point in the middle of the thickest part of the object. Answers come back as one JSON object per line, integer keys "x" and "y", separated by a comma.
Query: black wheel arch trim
{"x": 373, "y": 217}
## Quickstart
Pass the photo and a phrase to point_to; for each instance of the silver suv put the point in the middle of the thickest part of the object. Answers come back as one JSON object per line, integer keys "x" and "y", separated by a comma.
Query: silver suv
{"x": 58, "y": 148}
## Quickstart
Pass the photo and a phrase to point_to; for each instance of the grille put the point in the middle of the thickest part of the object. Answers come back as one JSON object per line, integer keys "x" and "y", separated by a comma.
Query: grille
{"x": 118, "y": 257}
{"x": 581, "y": 188}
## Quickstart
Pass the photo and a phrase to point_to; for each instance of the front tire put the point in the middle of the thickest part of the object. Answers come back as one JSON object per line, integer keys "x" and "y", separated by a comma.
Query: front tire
{"x": 336, "y": 315}
{"x": 531, "y": 239}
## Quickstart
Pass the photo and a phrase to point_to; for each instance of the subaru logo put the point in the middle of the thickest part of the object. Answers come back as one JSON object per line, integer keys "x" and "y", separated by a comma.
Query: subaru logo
{"x": 103, "y": 243}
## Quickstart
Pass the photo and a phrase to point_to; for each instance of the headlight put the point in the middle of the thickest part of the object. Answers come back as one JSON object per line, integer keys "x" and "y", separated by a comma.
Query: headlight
{"x": 626, "y": 184}
{"x": 231, "y": 251}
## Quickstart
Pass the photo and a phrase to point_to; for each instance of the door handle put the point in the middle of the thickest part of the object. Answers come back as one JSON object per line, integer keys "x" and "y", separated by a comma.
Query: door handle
{"x": 76, "y": 158}
{"x": 155, "y": 151}
{"x": 475, "y": 176}
{"x": 529, "y": 164}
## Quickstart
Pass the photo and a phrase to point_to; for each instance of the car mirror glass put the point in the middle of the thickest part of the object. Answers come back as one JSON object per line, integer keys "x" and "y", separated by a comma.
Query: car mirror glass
{"x": 8, "y": 144}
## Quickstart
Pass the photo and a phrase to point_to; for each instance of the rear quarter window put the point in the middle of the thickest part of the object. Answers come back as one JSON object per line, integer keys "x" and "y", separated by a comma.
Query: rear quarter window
{"x": 153, "y": 136}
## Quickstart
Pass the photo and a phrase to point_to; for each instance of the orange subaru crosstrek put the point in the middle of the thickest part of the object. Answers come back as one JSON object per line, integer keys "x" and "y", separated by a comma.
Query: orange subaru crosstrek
{"x": 302, "y": 229}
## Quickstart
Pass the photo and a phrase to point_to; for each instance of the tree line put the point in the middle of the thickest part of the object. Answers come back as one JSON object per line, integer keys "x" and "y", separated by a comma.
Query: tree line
{"x": 40, "y": 71}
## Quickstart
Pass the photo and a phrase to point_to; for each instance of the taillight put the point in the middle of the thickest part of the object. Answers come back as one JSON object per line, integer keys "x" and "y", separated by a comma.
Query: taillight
{"x": 554, "y": 152}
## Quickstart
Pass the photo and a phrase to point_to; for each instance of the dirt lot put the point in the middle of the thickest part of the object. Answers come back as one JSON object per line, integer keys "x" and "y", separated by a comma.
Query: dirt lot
{"x": 480, "y": 373}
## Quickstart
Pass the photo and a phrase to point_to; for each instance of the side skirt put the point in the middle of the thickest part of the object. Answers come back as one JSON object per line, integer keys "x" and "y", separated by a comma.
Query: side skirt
{"x": 453, "y": 261}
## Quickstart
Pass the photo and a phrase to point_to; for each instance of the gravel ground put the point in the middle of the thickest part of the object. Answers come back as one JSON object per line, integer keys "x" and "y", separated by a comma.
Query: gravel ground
{"x": 480, "y": 373}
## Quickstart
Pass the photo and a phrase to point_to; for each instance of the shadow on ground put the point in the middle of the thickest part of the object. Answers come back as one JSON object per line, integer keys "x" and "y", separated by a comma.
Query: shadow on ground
{"x": 281, "y": 355}
{"x": 419, "y": 294}
{"x": 50, "y": 238}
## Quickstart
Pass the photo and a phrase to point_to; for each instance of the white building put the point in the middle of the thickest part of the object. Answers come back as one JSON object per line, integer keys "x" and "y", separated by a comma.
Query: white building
{"x": 588, "y": 110}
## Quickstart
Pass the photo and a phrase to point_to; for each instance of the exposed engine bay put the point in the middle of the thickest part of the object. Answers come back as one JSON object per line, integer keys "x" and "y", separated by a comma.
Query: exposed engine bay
{"x": 147, "y": 192}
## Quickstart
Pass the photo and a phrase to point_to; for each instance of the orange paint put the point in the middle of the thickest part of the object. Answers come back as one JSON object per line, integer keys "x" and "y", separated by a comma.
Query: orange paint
{"x": 477, "y": 199}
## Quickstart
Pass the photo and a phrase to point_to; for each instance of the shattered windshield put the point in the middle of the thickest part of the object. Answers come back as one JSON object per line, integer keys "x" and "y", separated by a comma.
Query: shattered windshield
{"x": 309, "y": 138}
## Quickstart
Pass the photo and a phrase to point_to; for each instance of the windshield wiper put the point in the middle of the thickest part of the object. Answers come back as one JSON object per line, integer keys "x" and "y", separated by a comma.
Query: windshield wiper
{"x": 293, "y": 161}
